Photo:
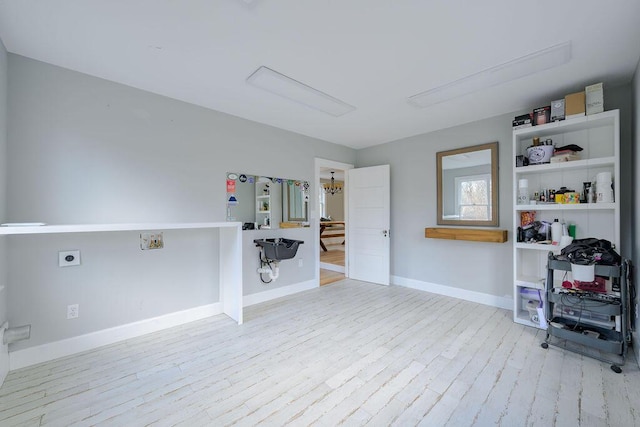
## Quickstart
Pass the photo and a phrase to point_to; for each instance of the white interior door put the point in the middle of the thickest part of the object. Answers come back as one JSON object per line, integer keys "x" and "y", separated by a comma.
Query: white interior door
{"x": 368, "y": 221}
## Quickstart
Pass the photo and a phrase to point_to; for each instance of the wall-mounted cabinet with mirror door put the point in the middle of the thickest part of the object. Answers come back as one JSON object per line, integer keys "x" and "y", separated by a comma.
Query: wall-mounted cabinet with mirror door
{"x": 266, "y": 203}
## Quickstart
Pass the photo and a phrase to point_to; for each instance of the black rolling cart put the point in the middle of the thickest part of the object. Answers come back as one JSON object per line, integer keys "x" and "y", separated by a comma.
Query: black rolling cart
{"x": 595, "y": 320}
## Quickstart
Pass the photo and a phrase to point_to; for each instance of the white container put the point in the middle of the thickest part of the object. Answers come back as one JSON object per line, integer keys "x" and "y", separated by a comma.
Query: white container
{"x": 556, "y": 232}
{"x": 523, "y": 192}
{"x": 604, "y": 190}
{"x": 540, "y": 154}
{"x": 591, "y": 194}
{"x": 604, "y": 196}
{"x": 605, "y": 177}
{"x": 583, "y": 273}
{"x": 565, "y": 241}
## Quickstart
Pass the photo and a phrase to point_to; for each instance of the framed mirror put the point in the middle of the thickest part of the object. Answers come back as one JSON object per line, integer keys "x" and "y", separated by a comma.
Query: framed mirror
{"x": 467, "y": 183}
{"x": 266, "y": 203}
{"x": 296, "y": 200}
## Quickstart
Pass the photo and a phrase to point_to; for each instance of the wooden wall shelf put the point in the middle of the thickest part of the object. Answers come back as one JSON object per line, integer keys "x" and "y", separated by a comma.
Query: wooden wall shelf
{"x": 471, "y": 234}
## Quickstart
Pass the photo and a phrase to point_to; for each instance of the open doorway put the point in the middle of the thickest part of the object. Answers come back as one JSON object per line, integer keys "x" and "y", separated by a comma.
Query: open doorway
{"x": 332, "y": 225}
{"x": 332, "y": 245}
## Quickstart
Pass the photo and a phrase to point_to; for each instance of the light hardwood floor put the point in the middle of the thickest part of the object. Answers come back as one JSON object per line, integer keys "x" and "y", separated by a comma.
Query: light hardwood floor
{"x": 334, "y": 255}
{"x": 327, "y": 277}
{"x": 352, "y": 353}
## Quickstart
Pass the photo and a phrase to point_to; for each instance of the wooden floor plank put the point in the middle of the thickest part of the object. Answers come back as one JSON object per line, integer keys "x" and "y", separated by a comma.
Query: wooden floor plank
{"x": 350, "y": 353}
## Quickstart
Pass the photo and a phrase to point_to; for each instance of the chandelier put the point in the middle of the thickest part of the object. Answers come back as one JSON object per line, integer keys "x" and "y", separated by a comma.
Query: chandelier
{"x": 333, "y": 188}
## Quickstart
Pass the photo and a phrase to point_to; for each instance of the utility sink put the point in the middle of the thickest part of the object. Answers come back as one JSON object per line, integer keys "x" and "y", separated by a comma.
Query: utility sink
{"x": 278, "y": 249}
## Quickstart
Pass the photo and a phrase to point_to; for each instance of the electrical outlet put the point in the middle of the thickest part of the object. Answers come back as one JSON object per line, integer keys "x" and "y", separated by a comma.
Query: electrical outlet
{"x": 73, "y": 311}
{"x": 68, "y": 258}
{"x": 151, "y": 241}
{"x": 300, "y": 263}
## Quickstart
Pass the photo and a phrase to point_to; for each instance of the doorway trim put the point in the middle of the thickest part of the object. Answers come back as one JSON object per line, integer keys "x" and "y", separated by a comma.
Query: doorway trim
{"x": 315, "y": 213}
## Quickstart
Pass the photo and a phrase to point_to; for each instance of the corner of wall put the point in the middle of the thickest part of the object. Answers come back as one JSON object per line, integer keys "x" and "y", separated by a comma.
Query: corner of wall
{"x": 4, "y": 355}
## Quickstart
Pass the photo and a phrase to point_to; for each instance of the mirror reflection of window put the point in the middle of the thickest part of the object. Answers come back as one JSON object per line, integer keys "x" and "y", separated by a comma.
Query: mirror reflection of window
{"x": 323, "y": 204}
{"x": 473, "y": 196}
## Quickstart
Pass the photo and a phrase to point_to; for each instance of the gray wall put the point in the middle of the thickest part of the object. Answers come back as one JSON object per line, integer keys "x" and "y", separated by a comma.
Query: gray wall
{"x": 86, "y": 150}
{"x": 636, "y": 197}
{"x": 116, "y": 283}
{"x": 620, "y": 98}
{"x": 3, "y": 198}
{"x": 487, "y": 266}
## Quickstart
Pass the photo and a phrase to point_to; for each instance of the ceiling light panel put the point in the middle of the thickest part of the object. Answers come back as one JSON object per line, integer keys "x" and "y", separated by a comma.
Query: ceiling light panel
{"x": 279, "y": 84}
{"x": 520, "y": 67}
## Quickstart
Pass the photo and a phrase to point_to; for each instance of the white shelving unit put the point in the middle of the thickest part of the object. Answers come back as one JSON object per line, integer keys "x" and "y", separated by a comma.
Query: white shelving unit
{"x": 263, "y": 204}
{"x": 230, "y": 241}
{"x": 599, "y": 136}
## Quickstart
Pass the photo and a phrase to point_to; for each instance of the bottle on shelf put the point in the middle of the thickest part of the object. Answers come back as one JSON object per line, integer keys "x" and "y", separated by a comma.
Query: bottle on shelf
{"x": 586, "y": 192}
{"x": 523, "y": 192}
{"x": 556, "y": 232}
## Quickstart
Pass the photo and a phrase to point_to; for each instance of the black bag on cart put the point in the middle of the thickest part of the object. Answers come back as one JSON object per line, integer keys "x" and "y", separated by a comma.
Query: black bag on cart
{"x": 591, "y": 251}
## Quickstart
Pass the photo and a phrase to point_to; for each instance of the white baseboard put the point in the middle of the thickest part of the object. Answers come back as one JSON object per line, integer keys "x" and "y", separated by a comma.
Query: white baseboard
{"x": 450, "y": 291}
{"x": 332, "y": 267}
{"x": 278, "y": 292}
{"x": 45, "y": 352}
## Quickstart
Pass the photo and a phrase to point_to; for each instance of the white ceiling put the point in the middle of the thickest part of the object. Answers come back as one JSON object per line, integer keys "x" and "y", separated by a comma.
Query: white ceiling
{"x": 372, "y": 54}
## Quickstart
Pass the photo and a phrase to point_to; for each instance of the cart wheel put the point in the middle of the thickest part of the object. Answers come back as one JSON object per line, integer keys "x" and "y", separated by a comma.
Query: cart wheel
{"x": 616, "y": 369}
{"x": 545, "y": 345}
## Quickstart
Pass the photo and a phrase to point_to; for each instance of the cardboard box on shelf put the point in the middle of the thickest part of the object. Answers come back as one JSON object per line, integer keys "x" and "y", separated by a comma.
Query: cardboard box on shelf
{"x": 574, "y": 105}
{"x": 594, "y": 99}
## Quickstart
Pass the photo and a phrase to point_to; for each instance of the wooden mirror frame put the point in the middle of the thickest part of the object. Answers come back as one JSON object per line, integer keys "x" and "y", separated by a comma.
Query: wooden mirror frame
{"x": 493, "y": 221}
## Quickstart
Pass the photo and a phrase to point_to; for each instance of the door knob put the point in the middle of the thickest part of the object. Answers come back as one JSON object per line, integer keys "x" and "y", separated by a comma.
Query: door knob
{"x": 385, "y": 233}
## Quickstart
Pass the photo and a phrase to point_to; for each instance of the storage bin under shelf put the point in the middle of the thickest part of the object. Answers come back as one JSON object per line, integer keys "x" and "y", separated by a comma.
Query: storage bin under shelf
{"x": 522, "y": 317}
